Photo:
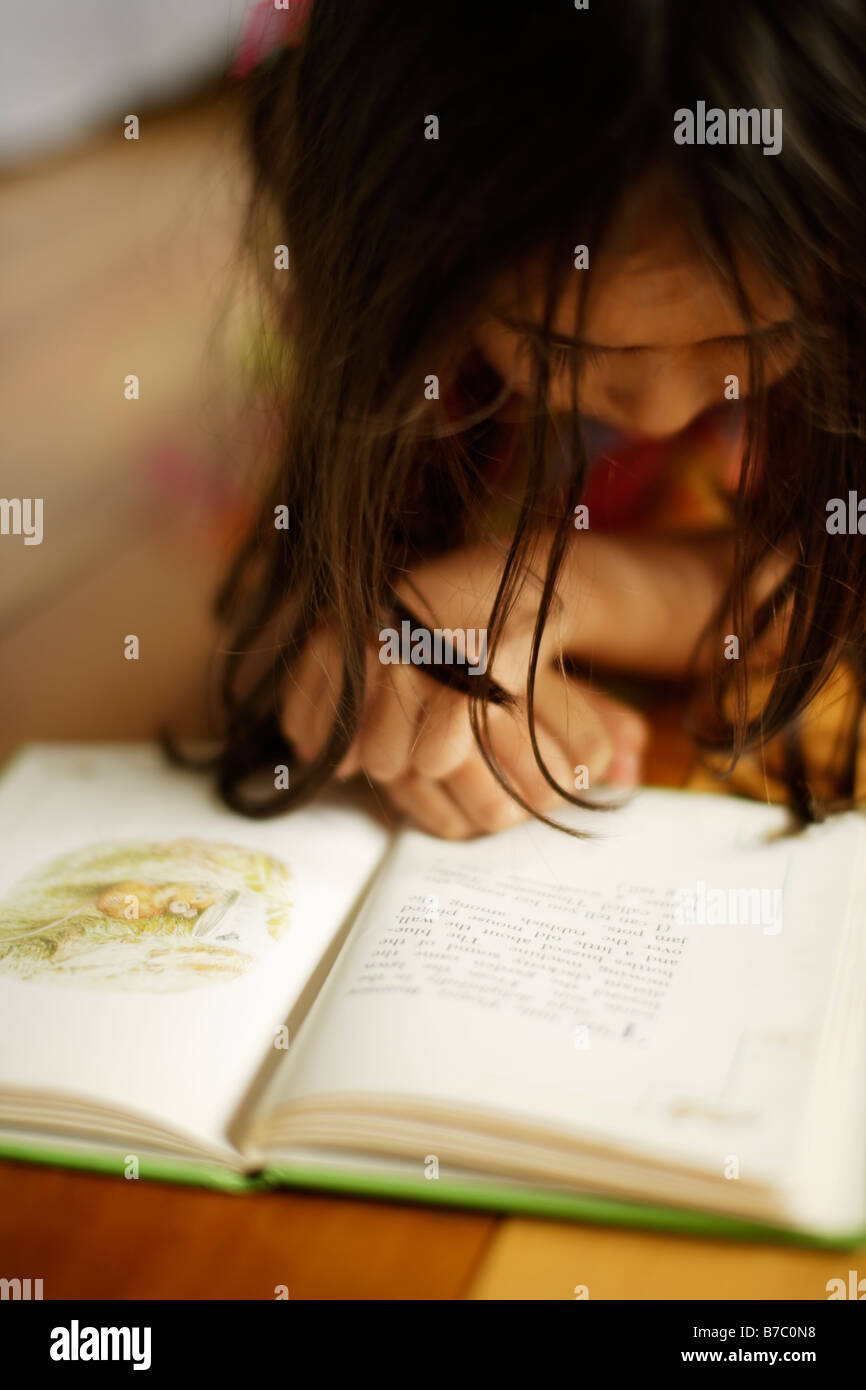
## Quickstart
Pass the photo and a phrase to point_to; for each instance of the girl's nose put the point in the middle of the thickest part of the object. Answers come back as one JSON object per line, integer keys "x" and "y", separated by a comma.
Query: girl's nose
{"x": 666, "y": 403}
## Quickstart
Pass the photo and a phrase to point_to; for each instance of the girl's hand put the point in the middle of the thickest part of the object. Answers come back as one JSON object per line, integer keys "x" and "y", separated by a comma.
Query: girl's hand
{"x": 415, "y": 739}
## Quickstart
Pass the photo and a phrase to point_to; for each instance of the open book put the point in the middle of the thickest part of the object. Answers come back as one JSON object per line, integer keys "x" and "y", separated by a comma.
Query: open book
{"x": 663, "y": 1024}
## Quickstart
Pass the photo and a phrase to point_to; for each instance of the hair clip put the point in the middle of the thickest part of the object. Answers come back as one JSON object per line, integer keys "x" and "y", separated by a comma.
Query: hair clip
{"x": 268, "y": 29}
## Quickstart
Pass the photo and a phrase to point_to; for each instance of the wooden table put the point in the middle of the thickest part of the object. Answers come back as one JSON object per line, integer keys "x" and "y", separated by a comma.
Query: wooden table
{"x": 147, "y": 228}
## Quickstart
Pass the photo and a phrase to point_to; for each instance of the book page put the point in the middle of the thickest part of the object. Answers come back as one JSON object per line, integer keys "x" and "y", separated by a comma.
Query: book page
{"x": 660, "y": 987}
{"x": 152, "y": 942}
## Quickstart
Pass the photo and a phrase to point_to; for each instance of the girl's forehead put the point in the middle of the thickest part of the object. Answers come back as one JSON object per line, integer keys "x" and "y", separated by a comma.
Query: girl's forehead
{"x": 651, "y": 284}
{"x": 668, "y": 295}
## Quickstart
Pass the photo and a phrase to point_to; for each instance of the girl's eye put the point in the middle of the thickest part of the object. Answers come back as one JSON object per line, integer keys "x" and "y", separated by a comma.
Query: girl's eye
{"x": 560, "y": 358}
{"x": 580, "y": 357}
{"x": 772, "y": 345}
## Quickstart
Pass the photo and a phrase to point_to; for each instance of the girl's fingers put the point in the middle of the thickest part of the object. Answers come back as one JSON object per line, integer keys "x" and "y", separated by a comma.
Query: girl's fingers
{"x": 444, "y": 739}
{"x": 625, "y": 730}
{"x": 511, "y": 746}
{"x": 573, "y": 716}
{"x": 305, "y": 698}
{"x": 574, "y": 726}
{"x": 481, "y": 798}
{"x": 429, "y": 806}
{"x": 390, "y": 722}
{"x": 351, "y": 762}
{"x": 387, "y": 728}
{"x": 330, "y": 656}
{"x": 415, "y": 739}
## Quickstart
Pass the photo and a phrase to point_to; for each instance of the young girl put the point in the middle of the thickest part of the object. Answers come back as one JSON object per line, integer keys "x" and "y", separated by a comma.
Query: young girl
{"x": 545, "y": 263}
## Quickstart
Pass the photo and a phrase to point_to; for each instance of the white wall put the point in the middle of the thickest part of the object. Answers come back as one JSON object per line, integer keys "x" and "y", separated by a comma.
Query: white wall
{"x": 66, "y": 66}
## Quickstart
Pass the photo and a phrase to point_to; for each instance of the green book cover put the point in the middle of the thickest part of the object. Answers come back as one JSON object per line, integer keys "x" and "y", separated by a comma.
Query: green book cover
{"x": 499, "y": 1198}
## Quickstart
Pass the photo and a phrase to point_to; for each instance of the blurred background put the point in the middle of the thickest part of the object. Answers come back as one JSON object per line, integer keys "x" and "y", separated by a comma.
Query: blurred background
{"x": 119, "y": 257}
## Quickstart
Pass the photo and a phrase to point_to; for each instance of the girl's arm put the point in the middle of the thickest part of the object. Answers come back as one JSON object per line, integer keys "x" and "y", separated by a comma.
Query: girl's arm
{"x": 640, "y": 603}
{"x": 633, "y": 603}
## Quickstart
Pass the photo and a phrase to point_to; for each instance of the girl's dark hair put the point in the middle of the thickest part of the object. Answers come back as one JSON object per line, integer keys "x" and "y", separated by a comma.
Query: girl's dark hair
{"x": 546, "y": 116}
